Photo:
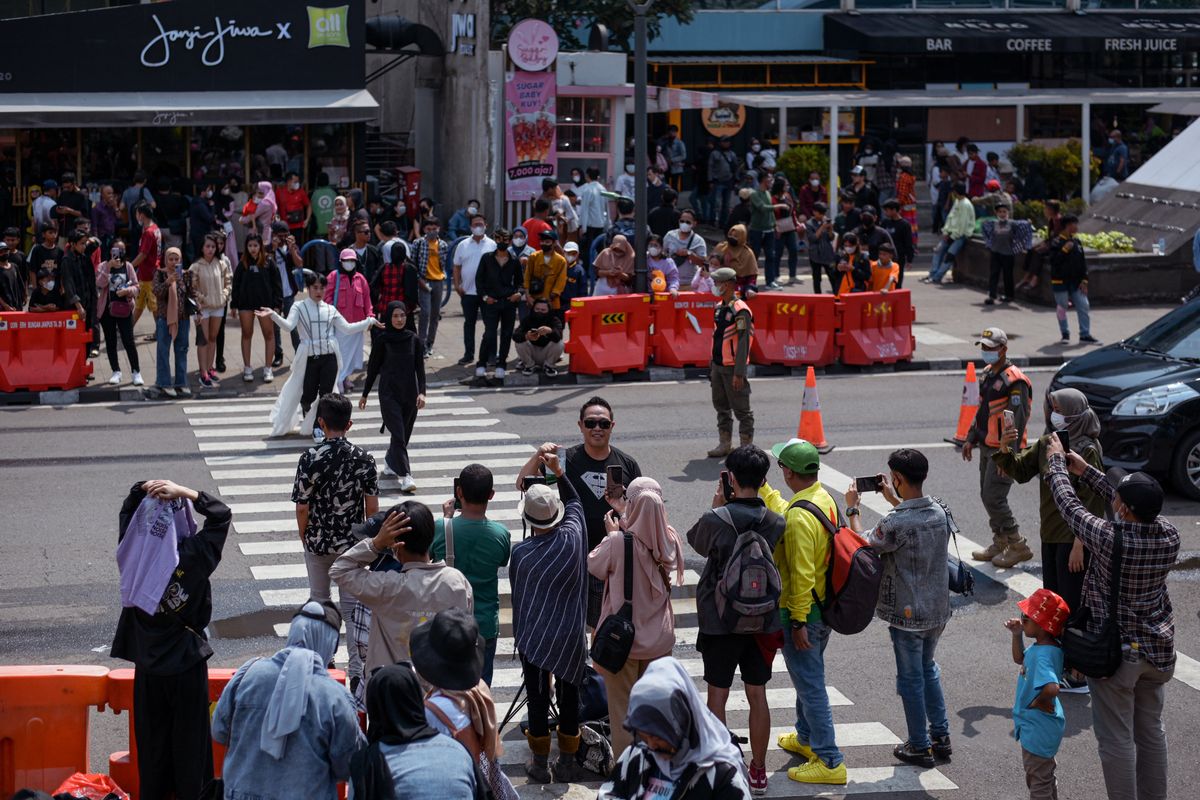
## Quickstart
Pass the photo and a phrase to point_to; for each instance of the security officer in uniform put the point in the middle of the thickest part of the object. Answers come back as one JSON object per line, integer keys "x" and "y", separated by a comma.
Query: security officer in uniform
{"x": 1002, "y": 387}
{"x": 732, "y": 333}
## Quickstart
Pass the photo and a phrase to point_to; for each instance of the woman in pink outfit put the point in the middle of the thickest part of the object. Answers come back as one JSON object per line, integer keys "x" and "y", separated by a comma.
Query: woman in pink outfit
{"x": 348, "y": 291}
{"x": 265, "y": 210}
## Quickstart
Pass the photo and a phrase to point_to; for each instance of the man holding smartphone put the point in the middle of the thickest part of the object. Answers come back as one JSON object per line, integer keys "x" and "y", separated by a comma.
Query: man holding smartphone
{"x": 1002, "y": 388}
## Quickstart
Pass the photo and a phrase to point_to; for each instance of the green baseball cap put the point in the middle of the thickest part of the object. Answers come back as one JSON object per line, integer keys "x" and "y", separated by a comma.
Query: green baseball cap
{"x": 798, "y": 455}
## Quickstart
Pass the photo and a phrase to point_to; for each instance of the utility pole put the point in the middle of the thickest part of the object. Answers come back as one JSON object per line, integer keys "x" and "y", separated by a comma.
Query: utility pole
{"x": 640, "y": 284}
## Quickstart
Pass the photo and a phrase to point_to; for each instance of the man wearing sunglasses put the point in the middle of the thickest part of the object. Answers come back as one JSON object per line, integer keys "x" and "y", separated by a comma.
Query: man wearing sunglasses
{"x": 587, "y": 467}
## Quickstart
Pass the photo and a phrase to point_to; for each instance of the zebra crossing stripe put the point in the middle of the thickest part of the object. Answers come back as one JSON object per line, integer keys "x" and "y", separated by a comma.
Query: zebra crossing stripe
{"x": 230, "y": 490}
{"x": 303, "y": 443}
{"x": 417, "y": 468}
{"x": 264, "y": 429}
{"x": 416, "y": 454}
{"x": 276, "y": 506}
{"x": 214, "y": 420}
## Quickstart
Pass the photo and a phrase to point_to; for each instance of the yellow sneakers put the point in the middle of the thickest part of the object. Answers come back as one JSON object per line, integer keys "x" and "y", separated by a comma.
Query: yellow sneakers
{"x": 791, "y": 743}
{"x": 816, "y": 772}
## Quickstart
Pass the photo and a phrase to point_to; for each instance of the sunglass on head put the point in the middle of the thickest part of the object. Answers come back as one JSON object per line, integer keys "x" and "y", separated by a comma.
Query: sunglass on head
{"x": 602, "y": 424}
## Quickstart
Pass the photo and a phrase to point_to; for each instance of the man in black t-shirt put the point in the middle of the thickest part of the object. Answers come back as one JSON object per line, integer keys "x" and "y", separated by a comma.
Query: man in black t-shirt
{"x": 73, "y": 205}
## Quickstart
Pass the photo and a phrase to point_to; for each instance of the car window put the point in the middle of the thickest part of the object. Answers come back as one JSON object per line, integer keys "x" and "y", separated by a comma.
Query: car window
{"x": 1177, "y": 334}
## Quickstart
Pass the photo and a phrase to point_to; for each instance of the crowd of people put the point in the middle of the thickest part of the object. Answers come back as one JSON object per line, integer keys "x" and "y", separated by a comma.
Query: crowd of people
{"x": 591, "y": 586}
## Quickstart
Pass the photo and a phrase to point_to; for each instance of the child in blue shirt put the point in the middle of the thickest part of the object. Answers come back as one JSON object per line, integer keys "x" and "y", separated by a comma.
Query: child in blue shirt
{"x": 1038, "y": 719}
{"x": 576, "y": 277}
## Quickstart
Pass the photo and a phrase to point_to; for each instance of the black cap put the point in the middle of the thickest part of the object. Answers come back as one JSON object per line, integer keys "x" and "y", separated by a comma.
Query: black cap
{"x": 279, "y": 226}
{"x": 447, "y": 651}
{"x": 548, "y": 233}
{"x": 1137, "y": 490}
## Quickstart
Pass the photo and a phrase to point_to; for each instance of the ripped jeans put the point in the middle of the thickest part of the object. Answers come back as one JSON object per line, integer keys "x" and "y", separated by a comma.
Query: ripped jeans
{"x": 1082, "y": 310}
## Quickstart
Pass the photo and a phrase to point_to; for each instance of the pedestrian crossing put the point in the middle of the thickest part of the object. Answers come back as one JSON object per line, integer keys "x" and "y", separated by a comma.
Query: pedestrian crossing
{"x": 254, "y": 475}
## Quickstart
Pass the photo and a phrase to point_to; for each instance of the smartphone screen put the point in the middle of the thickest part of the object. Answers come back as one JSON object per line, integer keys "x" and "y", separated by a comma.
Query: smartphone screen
{"x": 1065, "y": 438}
{"x": 871, "y": 484}
{"x": 1010, "y": 420}
{"x": 457, "y": 501}
{"x": 616, "y": 479}
{"x": 726, "y": 486}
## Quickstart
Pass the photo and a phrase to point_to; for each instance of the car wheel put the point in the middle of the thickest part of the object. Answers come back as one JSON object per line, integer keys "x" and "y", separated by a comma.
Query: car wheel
{"x": 1185, "y": 466}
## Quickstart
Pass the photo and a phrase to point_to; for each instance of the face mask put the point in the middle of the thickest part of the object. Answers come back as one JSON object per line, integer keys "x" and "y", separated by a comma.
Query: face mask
{"x": 518, "y": 241}
{"x": 732, "y": 242}
{"x": 754, "y": 148}
{"x": 295, "y": 185}
{"x": 868, "y": 224}
{"x": 1057, "y": 421}
{"x": 814, "y": 183}
{"x": 850, "y": 252}
{"x": 572, "y": 258}
{"x": 685, "y": 227}
{"x": 547, "y": 248}
{"x": 431, "y": 235}
{"x": 1112, "y": 141}
{"x": 577, "y": 179}
{"x": 348, "y": 266}
{"x": 716, "y": 290}
{"x": 48, "y": 286}
{"x": 478, "y": 230}
{"x": 629, "y": 168}
{"x": 3, "y": 258}
{"x": 654, "y": 251}
{"x": 990, "y": 356}
{"x": 472, "y": 209}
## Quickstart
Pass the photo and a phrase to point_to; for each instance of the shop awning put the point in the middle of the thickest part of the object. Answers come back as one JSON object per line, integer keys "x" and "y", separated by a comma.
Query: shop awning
{"x": 1012, "y": 32}
{"x": 943, "y": 98}
{"x": 661, "y": 98}
{"x": 155, "y": 109}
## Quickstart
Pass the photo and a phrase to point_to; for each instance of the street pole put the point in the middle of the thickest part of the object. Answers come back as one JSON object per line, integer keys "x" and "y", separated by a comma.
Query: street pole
{"x": 640, "y": 143}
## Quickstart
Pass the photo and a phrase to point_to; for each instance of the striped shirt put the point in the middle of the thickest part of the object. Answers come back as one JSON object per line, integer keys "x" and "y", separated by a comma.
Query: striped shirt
{"x": 318, "y": 322}
{"x": 1148, "y": 549}
{"x": 548, "y": 575}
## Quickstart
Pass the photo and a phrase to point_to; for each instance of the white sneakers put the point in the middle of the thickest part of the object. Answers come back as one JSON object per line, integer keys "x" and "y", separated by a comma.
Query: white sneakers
{"x": 137, "y": 379}
{"x": 499, "y": 373}
{"x": 386, "y": 472}
{"x": 115, "y": 380}
{"x": 268, "y": 375}
{"x": 407, "y": 484}
{"x": 248, "y": 375}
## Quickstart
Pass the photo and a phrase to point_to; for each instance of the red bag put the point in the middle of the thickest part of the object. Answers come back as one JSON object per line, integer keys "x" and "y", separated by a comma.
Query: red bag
{"x": 91, "y": 787}
{"x": 852, "y": 579}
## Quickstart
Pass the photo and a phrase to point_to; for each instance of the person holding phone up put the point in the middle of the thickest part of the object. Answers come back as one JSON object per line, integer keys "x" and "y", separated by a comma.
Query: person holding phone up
{"x": 1002, "y": 388}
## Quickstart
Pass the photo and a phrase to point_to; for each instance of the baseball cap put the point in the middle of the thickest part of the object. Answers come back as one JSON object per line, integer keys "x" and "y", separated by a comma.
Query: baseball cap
{"x": 993, "y": 184}
{"x": 571, "y": 247}
{"x": 3, "y": 246}
{"x": 278, "y": 226}
{"x": 541, "y": 506}
{"x": 858, "y": 170}
{"x": 48, "y": 184}
{"x": 798, "y": 455}
{"x": 1047, "y": 610}
{"x": 992, "y": 337}
{"x": 723, "y": 275}
{"x": 548, "y": 233}
{"x": 1139, "y": 491}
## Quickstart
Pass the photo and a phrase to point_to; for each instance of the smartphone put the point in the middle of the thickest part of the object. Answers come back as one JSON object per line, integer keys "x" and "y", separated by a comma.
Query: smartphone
{"x": 726, "y": 486}
{"x": 871, "y": 484}
{"x": 561, "y": 452}
{"x": 1065, "y": 438}
{"x": 1010, "y": 420}
{"x": 616, "y": 480}
{"x": 457, "y": 501}
{"x": 532, "y": 480}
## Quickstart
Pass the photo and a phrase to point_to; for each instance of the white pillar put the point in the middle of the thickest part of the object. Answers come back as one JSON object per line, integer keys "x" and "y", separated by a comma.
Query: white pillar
{"x": 1085, "y": 146}
{"x": 833, "y": 159}
{"x": 783, "y": 137}
{"x": 1020, "y": 133}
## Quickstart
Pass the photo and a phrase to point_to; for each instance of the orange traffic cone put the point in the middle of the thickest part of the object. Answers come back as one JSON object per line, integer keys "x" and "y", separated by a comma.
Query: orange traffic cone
{"x": 969, "y": 407}
{"x": 811, "y": 429}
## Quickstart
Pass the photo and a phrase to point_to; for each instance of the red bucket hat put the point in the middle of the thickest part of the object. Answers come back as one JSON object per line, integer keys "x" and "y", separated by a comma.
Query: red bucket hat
{"x": 1047, "y": 609}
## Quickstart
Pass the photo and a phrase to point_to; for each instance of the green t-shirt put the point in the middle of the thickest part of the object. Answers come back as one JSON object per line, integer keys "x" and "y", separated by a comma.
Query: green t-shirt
{"x": 481, "y": 548}
{"x": 322, "y": 206}
{"x": 762, "y": 213}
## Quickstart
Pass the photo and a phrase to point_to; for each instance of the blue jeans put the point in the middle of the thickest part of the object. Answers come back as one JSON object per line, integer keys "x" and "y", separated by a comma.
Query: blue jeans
{"x": 814, "y": 719}
{"x": 489, "y": 659}
{"x": 722, "y": 200}
{"x": 705, "y": 203}
{"x": 783, "y": 241}
{"x": 1082, "y": 310}
{"x": 943, "y": 257}
{"x": 919, "y": 684}
{"x": 163, "y": 345}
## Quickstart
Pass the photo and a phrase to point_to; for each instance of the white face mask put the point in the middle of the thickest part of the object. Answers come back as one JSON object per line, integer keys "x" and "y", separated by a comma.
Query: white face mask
{"x": 716, "y": 290}
{"x": 295, "y": 185}
{"x": 629, "y": 168}
{"x": 349, "y": 265}
{"x": 814, "y": 183}
{"x": 754, "y": 148}
{"x": 518, "y": 241}
{"x": 572, "y": 258}
{"x": 478, "y": 230}
{"x": 654, "y": 251}
{"x": 49, "y": 286}
{"x": 851, "y": 252}
{"x": 685, "y": 227}
{"x": 472, "y": 209}
{"x": 1057, "y": 421}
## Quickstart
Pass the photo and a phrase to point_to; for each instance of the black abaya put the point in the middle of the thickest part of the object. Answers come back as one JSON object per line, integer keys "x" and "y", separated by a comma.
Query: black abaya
{"x": 397, "y": 359}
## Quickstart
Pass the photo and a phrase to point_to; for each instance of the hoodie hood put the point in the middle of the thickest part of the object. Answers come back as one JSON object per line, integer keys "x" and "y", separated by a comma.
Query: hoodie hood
{"x": 738, "y": 233}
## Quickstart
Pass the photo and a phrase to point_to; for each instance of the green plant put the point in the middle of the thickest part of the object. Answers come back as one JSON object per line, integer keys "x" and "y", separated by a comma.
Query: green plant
{"x": 798, "y": 162}
{"x": 1058, "y": 166}
{"x": 1035, "y": 210}
{"x": 1104, "y": 242}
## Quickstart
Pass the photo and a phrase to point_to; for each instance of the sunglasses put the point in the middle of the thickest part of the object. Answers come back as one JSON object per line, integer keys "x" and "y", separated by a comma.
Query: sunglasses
{"x": 602, "y": 424}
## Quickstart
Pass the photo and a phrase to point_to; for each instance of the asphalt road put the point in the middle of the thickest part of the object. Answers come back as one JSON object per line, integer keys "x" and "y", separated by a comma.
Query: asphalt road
{"x": 66, "y": 471}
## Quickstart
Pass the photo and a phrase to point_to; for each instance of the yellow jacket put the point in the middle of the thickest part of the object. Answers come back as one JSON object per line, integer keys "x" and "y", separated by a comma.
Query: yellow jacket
{"x": 802, "y": 555}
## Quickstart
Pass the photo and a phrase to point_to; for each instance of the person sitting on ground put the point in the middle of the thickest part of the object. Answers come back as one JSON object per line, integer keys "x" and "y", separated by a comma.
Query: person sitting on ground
{"x": 679, "y": 746}
{"x": 290, "y": 730}
{"x": 539, "y": 340}
{"x": 405, "y": 757}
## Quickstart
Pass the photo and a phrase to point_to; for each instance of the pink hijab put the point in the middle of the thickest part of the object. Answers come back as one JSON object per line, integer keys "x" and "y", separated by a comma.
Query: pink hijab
{"x": 646, "y": 519}
{"x": 268, "y": 190}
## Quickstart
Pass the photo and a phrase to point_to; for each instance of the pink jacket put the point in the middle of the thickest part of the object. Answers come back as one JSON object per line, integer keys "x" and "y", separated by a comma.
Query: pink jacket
{"x": 653, "y": 620}
{"x": 353, "y": 295}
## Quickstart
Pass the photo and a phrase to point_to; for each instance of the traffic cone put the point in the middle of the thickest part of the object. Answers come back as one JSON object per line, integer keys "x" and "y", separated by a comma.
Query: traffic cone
{"x": 969, "y": 407}
{"x": 811, "y": 429}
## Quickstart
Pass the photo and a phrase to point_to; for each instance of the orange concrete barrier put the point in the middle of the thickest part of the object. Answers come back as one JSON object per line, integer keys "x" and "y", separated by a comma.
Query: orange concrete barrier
{"x": 683, "y": 328}
{"x": 39, "y": 352}
{"x": 609, "y": 334}
{"x": 793, "y": 330}
{"x": 44, "y": 723}
{"x": 876, "y": 328}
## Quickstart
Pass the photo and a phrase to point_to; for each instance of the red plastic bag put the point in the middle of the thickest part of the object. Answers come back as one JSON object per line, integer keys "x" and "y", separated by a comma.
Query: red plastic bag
{"x": 91, "y": 787}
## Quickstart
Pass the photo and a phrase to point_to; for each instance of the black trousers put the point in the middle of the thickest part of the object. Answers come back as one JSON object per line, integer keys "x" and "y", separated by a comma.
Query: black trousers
{"x": 319, "y": 376}
{"x": 470, "y": 309}
{"x": 170, "y": 717}
{"x": 1002, "y": 264}
{"x": 537, "y": 688}
{"x": 900, "y": 275}
{"x": 283, "y": 312}
{"x": 819, "y": 270}
{"x": 499, "y": 317}
{"x": 399, "y": 417}
{"x": 123, "y": 326}
{"x": 1058, "y": 578}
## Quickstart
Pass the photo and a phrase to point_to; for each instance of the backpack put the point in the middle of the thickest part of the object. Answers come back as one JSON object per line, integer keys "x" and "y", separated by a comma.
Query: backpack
{"x": 749, "y": 588}
{"x": 851, "y": 580}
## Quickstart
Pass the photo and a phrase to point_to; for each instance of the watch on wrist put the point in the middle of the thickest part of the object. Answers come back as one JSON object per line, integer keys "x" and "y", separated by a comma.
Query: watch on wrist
{"x": 852, "y": 511}
{"x": 799, "y": 625}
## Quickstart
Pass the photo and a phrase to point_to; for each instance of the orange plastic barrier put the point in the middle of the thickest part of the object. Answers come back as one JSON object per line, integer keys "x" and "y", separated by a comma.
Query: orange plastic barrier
{"x": 793, "y": 329}
{"x": 43, "y": 351}
{"x": 876, "y": 328}
{"x": 44, "y": 723}
{"x": 683, "y": 329}
{"x": 609, "y": 334}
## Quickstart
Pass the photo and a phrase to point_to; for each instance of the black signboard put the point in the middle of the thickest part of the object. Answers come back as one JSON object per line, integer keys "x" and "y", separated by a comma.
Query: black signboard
{"x": 187, "y": 46}
{"x": 1013, "y": 32}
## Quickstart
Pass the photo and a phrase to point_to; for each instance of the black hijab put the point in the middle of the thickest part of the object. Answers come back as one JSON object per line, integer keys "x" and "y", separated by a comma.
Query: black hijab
{"x": 395, "y": 715}
{"x": 391, "y": 334}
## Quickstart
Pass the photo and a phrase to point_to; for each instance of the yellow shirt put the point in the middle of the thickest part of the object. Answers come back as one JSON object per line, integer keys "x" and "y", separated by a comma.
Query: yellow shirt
{"x": 433, "y": 265}
{"x": 802, "y": 555}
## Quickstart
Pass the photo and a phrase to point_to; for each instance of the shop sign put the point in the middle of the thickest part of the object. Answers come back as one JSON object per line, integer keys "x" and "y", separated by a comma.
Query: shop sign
{"x": 724, "y": 120}
{"x": 531, "y": 138}
{"x": 532, "y": 45}
{"x": 462, "y": 34}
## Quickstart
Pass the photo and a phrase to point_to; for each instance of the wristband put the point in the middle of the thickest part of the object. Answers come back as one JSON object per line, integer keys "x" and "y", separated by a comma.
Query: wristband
{"x": 852, "y": 511}
{"x": 799, "y": 626}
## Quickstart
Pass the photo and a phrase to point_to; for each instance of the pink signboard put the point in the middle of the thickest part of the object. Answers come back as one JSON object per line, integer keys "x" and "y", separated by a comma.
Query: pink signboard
{"x": 529, "y": 107}
{"x": 532, "y": 45}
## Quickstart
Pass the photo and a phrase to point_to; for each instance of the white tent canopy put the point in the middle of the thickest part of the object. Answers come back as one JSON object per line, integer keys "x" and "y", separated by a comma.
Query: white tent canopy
{"x": 1176, "y": 165}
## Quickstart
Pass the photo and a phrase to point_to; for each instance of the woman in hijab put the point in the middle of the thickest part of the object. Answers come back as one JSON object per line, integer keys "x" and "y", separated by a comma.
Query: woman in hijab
{"x": 1064, "y": 559}
{"x": 340, "y": 221}
{"x": 397, "y": 358}
{"x": 265, "y": 210}
{"x": 405, "y": 757}
{"x": 680, "y": 750}
{"x": 348, "y": 290}
{"x": 291, "y": 730}
{"x": 614, "y": 267}
{"x": 737, "y": 255}
{"x": 657, "y": 552}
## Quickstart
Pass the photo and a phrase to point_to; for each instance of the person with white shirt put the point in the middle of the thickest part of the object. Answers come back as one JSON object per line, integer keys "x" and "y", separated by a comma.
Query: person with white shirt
{"x": 593, "y": 211}
{"x": 466, "y": 265}
{"x": 686, "y": 247}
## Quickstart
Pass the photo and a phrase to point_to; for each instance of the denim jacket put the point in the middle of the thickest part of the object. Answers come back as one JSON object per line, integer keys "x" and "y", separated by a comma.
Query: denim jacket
{"x": 911, "y": 541}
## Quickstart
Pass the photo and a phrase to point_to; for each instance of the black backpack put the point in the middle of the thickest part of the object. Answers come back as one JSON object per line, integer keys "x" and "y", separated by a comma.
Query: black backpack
{"x": 749, "y": 589}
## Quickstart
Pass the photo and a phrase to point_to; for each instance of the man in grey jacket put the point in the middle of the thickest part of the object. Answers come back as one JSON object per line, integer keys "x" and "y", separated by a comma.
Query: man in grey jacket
{"x": 818, "y": 231}
{"x": 914, "y": 598}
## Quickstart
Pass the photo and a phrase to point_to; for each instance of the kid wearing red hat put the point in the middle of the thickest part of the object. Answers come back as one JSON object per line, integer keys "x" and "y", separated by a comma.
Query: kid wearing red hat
{"x": 1038, "y": 719}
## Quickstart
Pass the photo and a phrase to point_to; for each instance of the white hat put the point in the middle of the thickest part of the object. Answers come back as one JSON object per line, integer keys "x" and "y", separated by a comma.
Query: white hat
{"x": 541, "y": 507}
{"x": 571, "y": 247}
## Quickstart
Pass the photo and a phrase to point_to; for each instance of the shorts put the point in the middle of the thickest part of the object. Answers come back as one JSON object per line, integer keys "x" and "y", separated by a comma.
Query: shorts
{"x": 723, "y": 654}
{"x": 145, "y": 297}
{"x": 209, "y": 313}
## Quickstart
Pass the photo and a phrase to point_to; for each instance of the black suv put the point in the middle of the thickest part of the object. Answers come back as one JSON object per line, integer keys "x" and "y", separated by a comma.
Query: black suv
{"x": 1146, "y": 391}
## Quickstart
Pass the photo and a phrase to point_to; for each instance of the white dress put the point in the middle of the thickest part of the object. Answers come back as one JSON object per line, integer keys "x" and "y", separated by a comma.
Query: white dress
{"x": 320, "y": 324}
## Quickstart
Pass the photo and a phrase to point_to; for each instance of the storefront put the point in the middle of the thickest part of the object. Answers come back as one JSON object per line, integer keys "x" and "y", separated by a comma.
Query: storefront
{"x": 185, "y": 91}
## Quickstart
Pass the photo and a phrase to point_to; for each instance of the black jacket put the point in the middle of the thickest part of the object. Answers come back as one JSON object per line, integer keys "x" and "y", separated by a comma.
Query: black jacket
{"x": 901, "y": 233}
{"x": 535, "y": 320}
{"x": 498, "y": 281}
{"x": 860, "y": 272}
{"x": 253, "y": 290}
{"x": 370, "y": 262}
{"x": 1068, "y": 265}
{"x": 78, "y": 277}
{"x": 873, "y": 238}
{"x": 399, "y": 362}
{"x": 173, "y": 640}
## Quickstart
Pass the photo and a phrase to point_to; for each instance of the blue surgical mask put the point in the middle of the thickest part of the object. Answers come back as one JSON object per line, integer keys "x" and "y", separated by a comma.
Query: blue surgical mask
{"x": 990, "y": 356}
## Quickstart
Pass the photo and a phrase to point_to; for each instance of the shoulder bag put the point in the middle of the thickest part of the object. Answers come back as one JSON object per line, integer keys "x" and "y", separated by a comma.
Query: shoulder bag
{"x": 961, "y": 578}
{"x": 614, "y": 637}
{"x": 1097, "y": 655}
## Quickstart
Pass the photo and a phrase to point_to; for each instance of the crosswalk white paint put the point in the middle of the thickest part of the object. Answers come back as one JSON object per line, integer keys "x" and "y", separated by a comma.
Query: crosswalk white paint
{"x": 250, "y": 405}
{"x": 265, "y": 428}
{"x": 425, "y": 482}
{"x": 276, "y": 506}
{"x": 361, "y": 418}
{"x": 417, "y": 467}
{"x": 415, "y": 453}
{"x": 299, "y": 443}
